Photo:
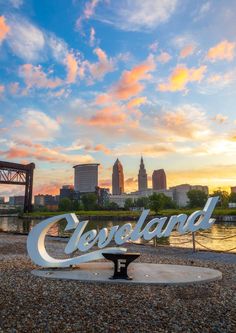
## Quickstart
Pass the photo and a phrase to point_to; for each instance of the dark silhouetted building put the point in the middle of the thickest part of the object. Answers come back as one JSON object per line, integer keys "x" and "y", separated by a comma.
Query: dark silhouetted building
{"x": 233, "y": 189}
{"x": 67, "y": 191}
{"x": 142, "y": 177}
{"x": 159, "y": 180}
{"x": 117, "y": 178}
{"x": 17, "y": 200}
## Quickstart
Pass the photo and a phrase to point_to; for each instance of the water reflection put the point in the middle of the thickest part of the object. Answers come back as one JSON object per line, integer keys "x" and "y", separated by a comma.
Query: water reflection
{"x": 211, "y": 238}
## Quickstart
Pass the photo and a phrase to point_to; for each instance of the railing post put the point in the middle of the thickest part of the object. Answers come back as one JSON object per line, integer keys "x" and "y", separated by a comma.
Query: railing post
{"x": 193, "y": 238}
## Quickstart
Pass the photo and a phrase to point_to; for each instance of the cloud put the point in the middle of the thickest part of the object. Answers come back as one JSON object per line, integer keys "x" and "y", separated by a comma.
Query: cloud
{"x": 129, "y": 84}
{"x": 27, "y": 150}
{"x": 187, "y": 50}
{"x": 97, "y": 148}
{"x": 103, "y": 66}
{"x": 164, "y": 57}
{"x": 186, "y": 122}
{"x": 205, "y": 7}
{"x": 218, "y": 81}
{"x": 103, "y": 99}
{"x": 220, "y": 118}
{"x": 14, "y": 88}
{"x": 136, "y": 102}
{"x": 149, "y": 150}
{"x": 25, "y": 40}
{"x": 181, "y": 76}
{"x": 92, "y": 36}
{"x": 4, "y": 29}
{"x": 222, "y": 51}
{"x": 57, "y": 47}
{"x": 35, "y": 77}
{"x": 108, "y": 116}
{"x": 153, "y": 47}
{"x": 17, "y": 3}
{"x": 36, "y": 126}
{"x": 138, "y": 15}
{"x": 2, "y": 89}
{"x": 88, "y": 11}
{"x": 72, "y": 68}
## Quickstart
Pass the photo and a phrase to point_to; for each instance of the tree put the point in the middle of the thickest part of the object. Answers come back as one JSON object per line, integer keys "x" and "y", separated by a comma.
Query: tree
{"x": 65, "y": 205}
{"x": 223, "y": 198}
{"x": 156, "y": 201}
{"x": 197, "y": 198}
{"x": 128, "y": 204}
{"x": 112, "y": 206}
{"x": 90, "y": 201}
{"x": 232, "y": 197}
{"x": 141, "y": 202}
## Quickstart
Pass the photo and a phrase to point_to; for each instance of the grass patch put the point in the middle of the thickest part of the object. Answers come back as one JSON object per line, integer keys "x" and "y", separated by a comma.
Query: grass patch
{"x": 132, "y": 214}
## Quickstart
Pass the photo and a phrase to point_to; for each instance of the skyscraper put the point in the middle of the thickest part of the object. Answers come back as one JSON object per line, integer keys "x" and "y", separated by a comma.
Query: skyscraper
{"x": 142, "y": 177}
{"x": 159, "y": 180}
{"x": 117, "y": 178}
{"x": 86, "y": 177}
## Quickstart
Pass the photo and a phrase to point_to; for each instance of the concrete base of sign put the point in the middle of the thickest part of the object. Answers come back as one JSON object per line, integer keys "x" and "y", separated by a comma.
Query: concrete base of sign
{"x": 141, "y": 273}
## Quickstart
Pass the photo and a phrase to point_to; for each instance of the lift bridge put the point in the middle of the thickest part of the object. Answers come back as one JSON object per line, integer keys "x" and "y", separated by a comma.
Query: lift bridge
{"x": 19, "y": 174}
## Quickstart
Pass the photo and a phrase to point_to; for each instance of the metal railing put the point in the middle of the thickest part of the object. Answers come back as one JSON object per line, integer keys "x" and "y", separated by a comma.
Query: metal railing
{"x": 195, "y": 241}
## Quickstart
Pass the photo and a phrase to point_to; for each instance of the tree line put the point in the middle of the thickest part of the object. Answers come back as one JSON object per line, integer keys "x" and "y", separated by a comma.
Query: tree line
{"x": 155, "y": 202}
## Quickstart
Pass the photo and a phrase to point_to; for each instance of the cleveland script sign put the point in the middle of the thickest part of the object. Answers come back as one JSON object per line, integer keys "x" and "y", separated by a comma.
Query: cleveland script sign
{"x": 84, "y": 241}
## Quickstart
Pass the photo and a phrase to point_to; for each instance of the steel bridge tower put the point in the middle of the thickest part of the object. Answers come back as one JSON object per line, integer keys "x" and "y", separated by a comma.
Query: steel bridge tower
{"x": 19, "y": 174}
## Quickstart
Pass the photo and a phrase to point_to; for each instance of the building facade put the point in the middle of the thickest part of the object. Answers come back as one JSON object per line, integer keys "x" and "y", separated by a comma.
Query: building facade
{"x": 86, "y": 177}
{"x": 180, "y": 193}
{"x": 117, "y": 178}
{"x": 233, "y": 189}
{"x": 17, "y": 200}
{"x": 142, "y": 177}
{"x": 120, "y": 199}
{"x": 159, "y": 180}
{"x": 67, "y": 191}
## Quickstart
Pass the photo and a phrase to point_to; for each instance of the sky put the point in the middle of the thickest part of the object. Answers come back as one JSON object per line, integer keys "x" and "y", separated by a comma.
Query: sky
{"x": 92, "y": 81}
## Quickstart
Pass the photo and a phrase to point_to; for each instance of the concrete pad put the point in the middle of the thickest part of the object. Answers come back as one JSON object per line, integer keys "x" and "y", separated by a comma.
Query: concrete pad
{"x": 141, "y": 273}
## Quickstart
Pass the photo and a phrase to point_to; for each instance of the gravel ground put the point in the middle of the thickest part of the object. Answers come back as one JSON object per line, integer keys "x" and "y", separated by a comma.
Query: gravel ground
{"x": 33, "y": 304}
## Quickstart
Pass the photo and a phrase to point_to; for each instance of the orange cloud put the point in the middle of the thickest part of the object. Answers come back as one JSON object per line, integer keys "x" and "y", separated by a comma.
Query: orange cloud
{"x": 164, "y": 57}
{"x": 187, "y": 51}
{"x": 185, "y": 122}
{"x": 136, "y": 102}
{"x": 35, "y": 77}
{"x": 41, "y": 153}
{"x": 4, "y": 28}
{"x": 222, "y": 51}
{"x": 108, "y": 116}
{"x": 72, "y": 68}
{"x": 181, "y": 76}
{"x": 102, "y": 148}
{"x": 129, "y": 84}
{"x": 2, "y": 89}
{"x": 103, "y": 99}
{"x": 220, "y": 118}
{"x": 14, "y": 88}
{"x": 103, "y": 66}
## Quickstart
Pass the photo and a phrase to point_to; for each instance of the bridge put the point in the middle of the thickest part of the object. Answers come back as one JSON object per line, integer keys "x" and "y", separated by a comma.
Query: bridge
{"x": 19, "y": 174}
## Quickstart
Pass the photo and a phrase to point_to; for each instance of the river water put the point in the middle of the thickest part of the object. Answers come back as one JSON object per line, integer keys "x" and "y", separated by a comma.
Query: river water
{"x": 220, "y": 237}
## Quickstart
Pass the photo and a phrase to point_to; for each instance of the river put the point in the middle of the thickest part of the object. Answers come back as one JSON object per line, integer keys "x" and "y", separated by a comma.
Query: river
{"x": 220, "y": 237}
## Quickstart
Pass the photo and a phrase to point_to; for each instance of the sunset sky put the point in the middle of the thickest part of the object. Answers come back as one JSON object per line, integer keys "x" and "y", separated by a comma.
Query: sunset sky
{"x": 90, "y": 81}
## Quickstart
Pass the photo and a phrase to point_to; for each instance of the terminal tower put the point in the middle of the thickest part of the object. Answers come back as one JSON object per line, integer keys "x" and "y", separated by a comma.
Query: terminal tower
{"x": 142, "y": 177}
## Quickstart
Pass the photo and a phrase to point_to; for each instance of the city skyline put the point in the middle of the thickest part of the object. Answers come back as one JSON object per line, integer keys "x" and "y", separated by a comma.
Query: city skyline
{"x": 147, "y": 78}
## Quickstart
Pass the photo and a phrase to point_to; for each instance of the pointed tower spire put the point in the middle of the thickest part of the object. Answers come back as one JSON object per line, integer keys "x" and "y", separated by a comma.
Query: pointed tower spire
{"x": 142, "y": 176}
